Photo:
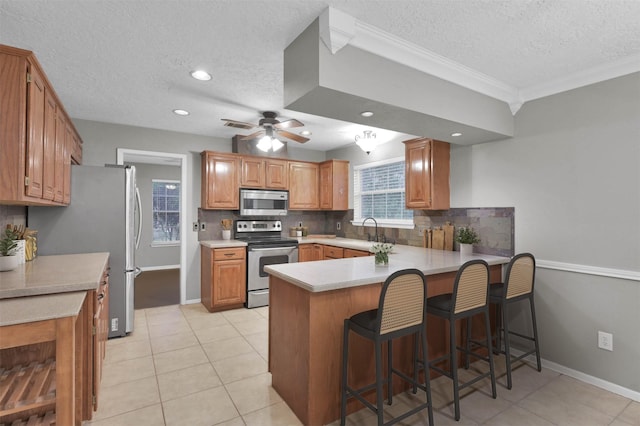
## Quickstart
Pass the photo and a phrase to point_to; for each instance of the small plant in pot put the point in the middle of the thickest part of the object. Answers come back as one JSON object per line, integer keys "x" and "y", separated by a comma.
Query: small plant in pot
{"x": 466, "y": 237}
{"x": 8, "y": 258}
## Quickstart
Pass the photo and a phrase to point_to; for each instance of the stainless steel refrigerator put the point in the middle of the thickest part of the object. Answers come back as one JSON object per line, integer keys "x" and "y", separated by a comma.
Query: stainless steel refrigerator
{"x": 101, "y": 217}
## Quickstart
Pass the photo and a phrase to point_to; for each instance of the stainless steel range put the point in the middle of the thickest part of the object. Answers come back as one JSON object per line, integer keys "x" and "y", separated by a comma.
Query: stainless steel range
{"x": 265, "y": 246}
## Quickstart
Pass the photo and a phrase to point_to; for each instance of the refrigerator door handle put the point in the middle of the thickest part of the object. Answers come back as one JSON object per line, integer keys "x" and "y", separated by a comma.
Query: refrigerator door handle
{"x": 139, "y": 205}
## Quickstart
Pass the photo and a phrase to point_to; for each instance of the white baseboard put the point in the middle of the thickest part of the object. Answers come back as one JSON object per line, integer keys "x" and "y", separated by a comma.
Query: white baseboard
{"x": 595, "y": 381}
{"x": 159, "y": 268}
{"x": 192, "y": 301}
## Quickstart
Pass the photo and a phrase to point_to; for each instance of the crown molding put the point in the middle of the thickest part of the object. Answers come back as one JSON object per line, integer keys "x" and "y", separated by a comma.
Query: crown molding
{"x": 624, "y": 66}
{"x": 337, "y": 29}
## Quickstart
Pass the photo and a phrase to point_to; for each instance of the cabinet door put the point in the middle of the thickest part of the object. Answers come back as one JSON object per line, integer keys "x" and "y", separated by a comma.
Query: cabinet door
{"x": 229, "y": 282}
{"x": 253, "y": 170}
{"x": 417, "y": 175}
{"x": 220, "y": 181}
{"x": 58, "y": 159}
{"x": 35, "y": 134}
{"x": 49, "y": 147}
{"x": 318, "y": 252}
{"x": 277, "y": 174}
{"x": 305, "y": 252}
{"x": 331, "y": 252}
{"x": 303, "y": 186}
{"x": 427, "y": 174}
{"x": 68, "y": 147}
{"x": 334, "y": 185}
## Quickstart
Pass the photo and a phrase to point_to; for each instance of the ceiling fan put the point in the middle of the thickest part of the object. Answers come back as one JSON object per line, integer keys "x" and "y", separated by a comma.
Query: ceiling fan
{"x": 271, "y": 129}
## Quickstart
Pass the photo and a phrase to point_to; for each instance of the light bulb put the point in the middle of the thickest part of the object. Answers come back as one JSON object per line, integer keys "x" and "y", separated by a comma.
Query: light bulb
{"x": 276, "y": 144}
{"x": 264, "y": 144}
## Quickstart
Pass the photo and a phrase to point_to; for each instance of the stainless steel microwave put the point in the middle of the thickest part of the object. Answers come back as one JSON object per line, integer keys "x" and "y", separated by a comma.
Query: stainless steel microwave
{"x": 261, "y": 202}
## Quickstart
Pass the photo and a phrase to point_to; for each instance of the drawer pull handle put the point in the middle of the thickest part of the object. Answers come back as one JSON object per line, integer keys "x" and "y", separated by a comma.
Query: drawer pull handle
{"x": 229, "y": 254}
{"x": 101, "y": 296}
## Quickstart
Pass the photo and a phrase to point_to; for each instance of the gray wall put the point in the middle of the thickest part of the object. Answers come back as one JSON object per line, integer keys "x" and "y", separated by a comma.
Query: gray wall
{"x": 573, "y": 175}
{"x": 148, "y": 255}
{"x": 101, "y": 140}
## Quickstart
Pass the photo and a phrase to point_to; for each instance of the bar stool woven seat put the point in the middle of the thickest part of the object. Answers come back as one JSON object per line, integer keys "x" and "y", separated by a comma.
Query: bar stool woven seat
{"x": 400, "y": 312}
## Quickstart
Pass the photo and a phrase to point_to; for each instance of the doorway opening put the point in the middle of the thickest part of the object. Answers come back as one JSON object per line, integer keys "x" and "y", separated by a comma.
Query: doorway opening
{"x": 159, "y": 287}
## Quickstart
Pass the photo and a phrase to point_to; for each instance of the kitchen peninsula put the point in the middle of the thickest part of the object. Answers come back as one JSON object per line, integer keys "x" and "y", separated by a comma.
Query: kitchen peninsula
{"x": 308, "y": 304}
{"x": 53, "y": 329}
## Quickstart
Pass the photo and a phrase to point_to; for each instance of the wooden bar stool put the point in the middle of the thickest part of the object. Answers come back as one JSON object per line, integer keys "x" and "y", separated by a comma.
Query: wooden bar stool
{"x": 470, "y": 297}
{"x": 400, "y": 312}
{"x": 518, "y": 286}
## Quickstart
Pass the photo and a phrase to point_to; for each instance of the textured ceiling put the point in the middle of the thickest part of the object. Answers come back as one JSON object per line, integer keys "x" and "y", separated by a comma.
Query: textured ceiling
{"x": 128, "y": 62}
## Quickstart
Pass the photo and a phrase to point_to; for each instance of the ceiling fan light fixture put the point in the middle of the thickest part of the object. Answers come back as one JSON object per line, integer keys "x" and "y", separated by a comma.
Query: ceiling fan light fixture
{"x": 264, "y": 144}
{"x": 201, "y": 75}
{"x": 276, "y": 145}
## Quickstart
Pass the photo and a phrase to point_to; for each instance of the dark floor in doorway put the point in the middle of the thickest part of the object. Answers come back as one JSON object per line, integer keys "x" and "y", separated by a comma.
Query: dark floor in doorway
{"x": 157, "y": 288}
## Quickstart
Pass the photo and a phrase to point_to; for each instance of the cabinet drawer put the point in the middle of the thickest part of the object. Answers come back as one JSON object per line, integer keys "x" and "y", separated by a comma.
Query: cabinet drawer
{"x": 229, "y": 253}
{"x": 333, "y": 252}
{"x": 355, "y": 253}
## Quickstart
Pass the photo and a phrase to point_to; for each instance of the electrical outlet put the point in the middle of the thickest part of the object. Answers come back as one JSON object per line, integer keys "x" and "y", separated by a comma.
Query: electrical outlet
{"x": 203, "y": 226}
{"x": 114, "y": 324}
{"x": 299, "y": 224}
{"x": 338, "y": 226}
{"x": 195, "y": 226}
{"x": 605, "y": 341}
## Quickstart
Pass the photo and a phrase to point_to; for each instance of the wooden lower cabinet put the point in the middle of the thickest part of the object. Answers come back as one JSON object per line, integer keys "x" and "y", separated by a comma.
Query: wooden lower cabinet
{"x": 223, "y": 278}
{"x": 310, "y": 252}
{"x": 52, "y": 369}
{"x": 331, "y": 252}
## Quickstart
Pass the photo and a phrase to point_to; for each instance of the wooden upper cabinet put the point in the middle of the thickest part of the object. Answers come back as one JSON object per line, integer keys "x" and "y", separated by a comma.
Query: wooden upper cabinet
{"x": 68, "y": 148}
{"x": 220, "y": 181}
{"x": 303, "y": 186}
{"x": 253, "y": 173}
{"x": 35, "y": 137}
{"x": 334, "y": 185}
{"x": 264, "y": 173}
{"x": 426, "y": 174}
{"x": 32, "y": 134}
{"x": 276, "y": 174}
{"x": 49, "y": 147}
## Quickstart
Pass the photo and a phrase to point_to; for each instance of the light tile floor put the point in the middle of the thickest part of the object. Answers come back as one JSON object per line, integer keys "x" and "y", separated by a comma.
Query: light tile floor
{"x": 185, "y": 366}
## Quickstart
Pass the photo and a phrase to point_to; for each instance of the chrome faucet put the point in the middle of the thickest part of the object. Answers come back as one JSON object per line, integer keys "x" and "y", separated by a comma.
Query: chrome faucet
{"x": 376, "y": 234}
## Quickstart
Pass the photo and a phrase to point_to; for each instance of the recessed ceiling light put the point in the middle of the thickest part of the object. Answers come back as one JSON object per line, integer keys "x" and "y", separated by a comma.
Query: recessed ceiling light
{"x": 201, "y": 75}
{"x": 366, "y": 113}
{"x": 305, "y": 133}
{"x": 456, "y": 134}
{"x": 180, "y": 112}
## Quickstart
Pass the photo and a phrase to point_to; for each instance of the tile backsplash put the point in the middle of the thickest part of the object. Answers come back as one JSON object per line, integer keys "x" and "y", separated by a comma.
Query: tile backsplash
{"x": 12, "y": 215}
{"x": 495, "y": 225}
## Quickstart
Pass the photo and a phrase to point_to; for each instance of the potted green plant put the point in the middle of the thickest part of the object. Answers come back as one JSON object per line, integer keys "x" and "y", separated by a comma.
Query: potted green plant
{"x": 466, "y": 237}
{"x": 8, "y": 258}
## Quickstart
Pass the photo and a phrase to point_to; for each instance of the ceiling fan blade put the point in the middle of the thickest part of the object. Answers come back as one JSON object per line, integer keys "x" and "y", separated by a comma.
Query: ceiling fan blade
{"x": 292, "y": 136}
{"x": 238, "y": 124}
{"x": 251, "y": 136}
{"x": 288, "y": 124}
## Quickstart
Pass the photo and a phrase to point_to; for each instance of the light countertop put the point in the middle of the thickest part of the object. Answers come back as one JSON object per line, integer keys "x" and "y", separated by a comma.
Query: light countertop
{"x": 54, "y": 274}
{"x": 20, "y": 310}
{"x": 223, "y": 243}
{"x": 335, "y": 274}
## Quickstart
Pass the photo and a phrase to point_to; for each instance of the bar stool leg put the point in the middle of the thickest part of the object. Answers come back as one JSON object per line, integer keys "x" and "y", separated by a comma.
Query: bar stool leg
{"x": 494, "y": 394}
{"x": 535, "y": 331}
{"x": 379, "y": 396}
{"x": 507, "y": 344}
{"x": 454, "y": 367}
{"x": 427, "y": 379}
{"x": 389, "y": 367}
{"x": 467, "y": 346}
{"x": 345, "y": 362}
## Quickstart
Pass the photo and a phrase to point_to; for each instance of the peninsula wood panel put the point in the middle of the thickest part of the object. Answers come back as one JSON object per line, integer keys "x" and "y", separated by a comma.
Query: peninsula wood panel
{"x": 305, "y": 344}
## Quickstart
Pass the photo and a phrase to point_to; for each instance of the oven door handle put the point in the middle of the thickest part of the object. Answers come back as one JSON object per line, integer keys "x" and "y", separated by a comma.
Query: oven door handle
{"x": 272, "y": 248}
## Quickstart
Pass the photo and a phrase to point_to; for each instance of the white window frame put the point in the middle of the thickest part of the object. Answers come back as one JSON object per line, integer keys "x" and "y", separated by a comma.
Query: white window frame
{"x": 165, "y": 243}
{"x": 387, "y": 223}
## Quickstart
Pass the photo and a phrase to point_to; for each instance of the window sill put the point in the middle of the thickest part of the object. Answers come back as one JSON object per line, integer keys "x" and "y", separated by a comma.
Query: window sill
{"x": 386, "y": 224}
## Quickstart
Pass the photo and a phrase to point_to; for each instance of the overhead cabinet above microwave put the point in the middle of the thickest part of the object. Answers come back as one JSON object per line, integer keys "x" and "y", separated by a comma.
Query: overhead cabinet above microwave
{"x": 310, "y": 186}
